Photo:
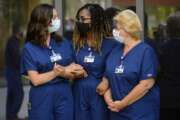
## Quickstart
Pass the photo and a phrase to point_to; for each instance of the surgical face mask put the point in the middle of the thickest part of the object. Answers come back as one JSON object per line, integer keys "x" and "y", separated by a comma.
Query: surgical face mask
{"x": 117, "y": 36}
{"x": 55, "y": 25}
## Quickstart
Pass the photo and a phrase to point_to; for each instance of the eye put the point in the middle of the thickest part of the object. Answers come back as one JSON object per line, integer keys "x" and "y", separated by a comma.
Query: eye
{"x": 82, "y": 18}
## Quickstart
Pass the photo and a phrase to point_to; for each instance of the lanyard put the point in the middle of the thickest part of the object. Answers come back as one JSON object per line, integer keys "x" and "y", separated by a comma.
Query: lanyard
{"x": 55, "y": 56}
{"x": 120, "y": 69}
{"x": 90, "y": 58}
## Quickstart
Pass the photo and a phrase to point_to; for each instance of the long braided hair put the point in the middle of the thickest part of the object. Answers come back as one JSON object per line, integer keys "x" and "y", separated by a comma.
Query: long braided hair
{"x": 99, "y": 27}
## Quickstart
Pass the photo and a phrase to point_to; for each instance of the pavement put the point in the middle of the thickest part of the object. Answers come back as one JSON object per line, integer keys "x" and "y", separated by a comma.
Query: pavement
{"x": 23, "y": 110}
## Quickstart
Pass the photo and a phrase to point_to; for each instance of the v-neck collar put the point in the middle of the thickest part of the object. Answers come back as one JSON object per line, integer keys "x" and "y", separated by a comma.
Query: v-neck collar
{"x": 51, "y": 44}
{"x": 132, "y": 49}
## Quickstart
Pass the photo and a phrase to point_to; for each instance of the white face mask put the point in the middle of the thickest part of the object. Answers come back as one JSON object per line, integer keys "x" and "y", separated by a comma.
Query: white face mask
{"x": 55, "y": 25}
{"x": 117, "y": 36}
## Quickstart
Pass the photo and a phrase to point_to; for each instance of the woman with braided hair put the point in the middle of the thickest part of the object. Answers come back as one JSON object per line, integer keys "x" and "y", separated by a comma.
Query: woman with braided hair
{"x": 91, "y": 48}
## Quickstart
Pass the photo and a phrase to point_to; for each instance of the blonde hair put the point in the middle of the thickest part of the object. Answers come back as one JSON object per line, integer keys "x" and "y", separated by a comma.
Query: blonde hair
{"x": 130, "y": 22}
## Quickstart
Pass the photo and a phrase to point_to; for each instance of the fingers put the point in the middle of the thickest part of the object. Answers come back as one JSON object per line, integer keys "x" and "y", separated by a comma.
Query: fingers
{"x": 57, "y": 65}
{"x": 70, "y": 71}
{"x": 58, "y": 69}
{"x": 100, "y": 91}
{"x": 85, "y": 74}
{"x": 113, "y": 107}
{"x": 116, "y": 106}
{"x": 76, "y": 66}
{"x": 102, "y": 87}
{"x": 79, "y": 72}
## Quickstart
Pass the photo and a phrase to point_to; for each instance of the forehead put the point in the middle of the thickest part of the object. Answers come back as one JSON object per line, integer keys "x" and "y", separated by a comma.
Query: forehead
{"x": 84, "y": 12}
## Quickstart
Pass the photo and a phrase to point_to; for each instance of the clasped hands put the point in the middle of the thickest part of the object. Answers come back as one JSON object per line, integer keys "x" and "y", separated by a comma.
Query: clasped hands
{"x": 72, "y": 71}
{"x": 104, "y": 90}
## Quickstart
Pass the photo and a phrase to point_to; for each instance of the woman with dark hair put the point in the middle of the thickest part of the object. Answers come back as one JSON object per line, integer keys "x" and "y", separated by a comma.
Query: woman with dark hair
{"x": 110, "y": 13}
{"x": 91, "y": 49}
{"x": 48, "y": 63}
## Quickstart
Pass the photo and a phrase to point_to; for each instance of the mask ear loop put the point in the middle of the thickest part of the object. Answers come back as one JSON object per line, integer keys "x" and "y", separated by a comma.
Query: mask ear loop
{"x": 50, "y": 23}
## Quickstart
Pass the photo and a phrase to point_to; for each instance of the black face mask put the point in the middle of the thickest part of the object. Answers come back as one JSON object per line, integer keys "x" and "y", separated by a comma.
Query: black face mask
{"x": 83, "y": 28}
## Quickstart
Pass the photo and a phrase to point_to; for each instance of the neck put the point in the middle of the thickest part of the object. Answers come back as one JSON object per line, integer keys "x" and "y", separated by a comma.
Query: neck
{"x": 48, "y": 40}
{"x": 129, "y": 44}
{"x": 89, "y": 39}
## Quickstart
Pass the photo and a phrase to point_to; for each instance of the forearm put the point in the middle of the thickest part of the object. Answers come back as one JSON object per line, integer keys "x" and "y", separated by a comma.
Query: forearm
{"x": 138, "y": 91}
{"x": 103, "y": 86}
{"x": 39, "y": 79}
{"x": 79, "y": 74}
{"x": 108, "y": 96}
{"x": 108, "y": 93}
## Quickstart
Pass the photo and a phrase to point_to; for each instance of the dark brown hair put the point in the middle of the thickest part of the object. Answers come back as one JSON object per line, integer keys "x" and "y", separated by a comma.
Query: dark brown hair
{"x": 110, "y": 13}
{"x": 37, "y": 31}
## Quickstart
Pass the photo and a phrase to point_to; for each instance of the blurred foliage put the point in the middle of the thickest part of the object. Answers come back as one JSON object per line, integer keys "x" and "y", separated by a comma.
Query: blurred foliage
{"x": 158, "y": 15}
{"x": 72, "y": 6}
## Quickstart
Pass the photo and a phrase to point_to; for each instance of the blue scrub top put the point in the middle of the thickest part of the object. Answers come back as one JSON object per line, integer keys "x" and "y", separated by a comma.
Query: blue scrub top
{"x": 140, "y": 63}
{"x": 96, "y": 69}
{"x": 37, "y": 58}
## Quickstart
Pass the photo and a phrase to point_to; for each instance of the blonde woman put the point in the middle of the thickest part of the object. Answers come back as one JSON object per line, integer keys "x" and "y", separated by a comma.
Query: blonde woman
{"x": 131, "y": 70}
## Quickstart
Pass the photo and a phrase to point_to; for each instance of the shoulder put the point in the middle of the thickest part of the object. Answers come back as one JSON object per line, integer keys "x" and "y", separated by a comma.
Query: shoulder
{"x": 65, "y": 42}
{"x": 146, "y": 47}
{"x": 113, "y": 56}
{"x": 110, "y": 43}
{"x": 29, "y": 48}
{"x": 148, "y": 52}
{"x": 115, "y": 52}
{"x": 117, "y": 49}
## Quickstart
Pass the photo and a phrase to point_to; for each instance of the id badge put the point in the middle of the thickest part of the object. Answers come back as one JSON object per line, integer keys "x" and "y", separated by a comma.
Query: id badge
{"x": 55, "y": 57}
{"x": 119, "y": 69}
{"x": 89, "y": 58}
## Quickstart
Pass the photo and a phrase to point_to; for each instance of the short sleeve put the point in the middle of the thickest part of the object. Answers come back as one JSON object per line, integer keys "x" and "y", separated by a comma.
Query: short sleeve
{"x": 109, "y": 59}
{"x": 27, "y": 62}
{"x": 110, "y": 45}
{"x": 149, "y": 65}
